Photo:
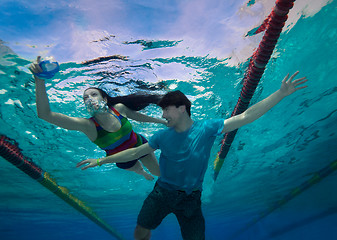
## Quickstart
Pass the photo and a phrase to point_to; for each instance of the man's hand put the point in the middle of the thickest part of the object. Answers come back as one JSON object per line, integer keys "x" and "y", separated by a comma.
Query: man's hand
{"x": 289, "y": 85}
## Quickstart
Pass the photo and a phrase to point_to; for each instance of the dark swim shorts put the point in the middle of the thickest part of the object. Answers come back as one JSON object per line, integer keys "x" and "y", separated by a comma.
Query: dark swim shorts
{"x": 130, "y": 164}
{"x": 187, "y": 209}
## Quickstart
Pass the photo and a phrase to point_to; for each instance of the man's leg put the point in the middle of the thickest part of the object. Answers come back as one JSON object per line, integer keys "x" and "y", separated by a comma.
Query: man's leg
{"x": 190, "y": 217}
{"x": 193, "y": 227}
{"x": 153, "y": 211}
{"x": 142, "y": 233}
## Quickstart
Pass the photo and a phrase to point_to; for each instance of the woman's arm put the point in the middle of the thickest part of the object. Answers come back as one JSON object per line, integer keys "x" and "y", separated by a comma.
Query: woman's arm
{"x": 137, "y": 116}
{"x": 288, "y": 87}
{"x": 58, "y": 119}
{"x": 124, "y": 156}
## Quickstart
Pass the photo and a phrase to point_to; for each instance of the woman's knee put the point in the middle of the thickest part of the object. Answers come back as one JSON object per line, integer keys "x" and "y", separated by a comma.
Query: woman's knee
{"x": 151, "y": 163}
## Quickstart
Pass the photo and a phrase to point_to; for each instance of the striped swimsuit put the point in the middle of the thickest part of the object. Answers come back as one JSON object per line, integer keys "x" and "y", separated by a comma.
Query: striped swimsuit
{"x": 114, "y": 142}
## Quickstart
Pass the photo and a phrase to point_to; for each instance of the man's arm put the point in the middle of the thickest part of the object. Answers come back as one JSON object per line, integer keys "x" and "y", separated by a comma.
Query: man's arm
{"x": 289, "y": 86}
{"x": 124, "y": 156}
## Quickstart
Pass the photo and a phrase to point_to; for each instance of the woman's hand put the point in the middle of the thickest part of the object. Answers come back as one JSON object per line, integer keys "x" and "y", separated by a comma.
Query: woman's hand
{"x": 92, "y": 163}
{"x": 35, "y": 67}
{"x": 289, "y": 85}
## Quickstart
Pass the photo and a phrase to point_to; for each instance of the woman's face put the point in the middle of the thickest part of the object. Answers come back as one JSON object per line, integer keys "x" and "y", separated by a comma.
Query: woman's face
{"x": 94, "y": 101}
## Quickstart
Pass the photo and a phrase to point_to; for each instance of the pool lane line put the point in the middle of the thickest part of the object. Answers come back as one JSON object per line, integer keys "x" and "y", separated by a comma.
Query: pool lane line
{"x": 272, "y": 26}
{"x": 10, "y": 151}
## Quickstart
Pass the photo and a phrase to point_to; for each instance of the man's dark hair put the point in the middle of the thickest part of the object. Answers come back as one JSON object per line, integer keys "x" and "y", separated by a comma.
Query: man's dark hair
{"x": 175, "y": 98}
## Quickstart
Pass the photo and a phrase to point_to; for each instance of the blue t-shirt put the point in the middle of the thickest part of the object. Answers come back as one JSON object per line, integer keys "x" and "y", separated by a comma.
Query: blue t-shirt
{"x": 184, "y": 156}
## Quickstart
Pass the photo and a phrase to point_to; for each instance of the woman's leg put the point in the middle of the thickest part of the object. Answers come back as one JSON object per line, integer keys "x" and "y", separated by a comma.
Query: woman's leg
{"x": 150, "y": 162}
{"x": 142, "y": 233}
{"x": 138, "y": 168}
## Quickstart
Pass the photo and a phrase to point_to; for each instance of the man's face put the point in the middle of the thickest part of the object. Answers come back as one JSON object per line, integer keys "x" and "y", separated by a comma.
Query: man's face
{"x": 172, "y": 114}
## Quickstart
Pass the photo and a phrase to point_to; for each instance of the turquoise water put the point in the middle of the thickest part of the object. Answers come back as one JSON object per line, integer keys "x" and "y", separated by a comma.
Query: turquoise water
{"x": 268, "y": 158}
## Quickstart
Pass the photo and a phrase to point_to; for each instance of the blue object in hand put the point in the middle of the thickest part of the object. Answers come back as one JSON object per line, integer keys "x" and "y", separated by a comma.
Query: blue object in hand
{"x": 49, "y": 69}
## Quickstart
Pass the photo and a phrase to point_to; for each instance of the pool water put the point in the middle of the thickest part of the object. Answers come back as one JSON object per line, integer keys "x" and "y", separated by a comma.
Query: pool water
{"x": 268, "y": 158}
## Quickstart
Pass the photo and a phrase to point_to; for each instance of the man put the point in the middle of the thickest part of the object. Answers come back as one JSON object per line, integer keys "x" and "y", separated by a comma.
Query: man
{"x": 185, "y": 149}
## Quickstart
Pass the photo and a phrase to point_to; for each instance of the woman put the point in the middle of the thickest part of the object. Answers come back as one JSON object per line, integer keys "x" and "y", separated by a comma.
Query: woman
{"x": 108, "y": 127}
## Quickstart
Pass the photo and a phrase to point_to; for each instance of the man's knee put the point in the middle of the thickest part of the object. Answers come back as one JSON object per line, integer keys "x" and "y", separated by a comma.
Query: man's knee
{"x": 142, "y": 233}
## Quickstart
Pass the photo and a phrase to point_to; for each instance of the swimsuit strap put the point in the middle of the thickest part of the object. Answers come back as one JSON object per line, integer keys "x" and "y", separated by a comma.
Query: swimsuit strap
{"x": 116, "y": 114}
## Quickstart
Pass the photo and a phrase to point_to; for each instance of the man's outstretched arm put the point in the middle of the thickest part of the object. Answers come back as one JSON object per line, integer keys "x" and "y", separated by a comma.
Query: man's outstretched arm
{"x": 289, "y": 86}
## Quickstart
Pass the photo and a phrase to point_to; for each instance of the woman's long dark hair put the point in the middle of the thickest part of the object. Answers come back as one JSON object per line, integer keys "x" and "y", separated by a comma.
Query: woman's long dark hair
{"x": 135, "y": 101}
